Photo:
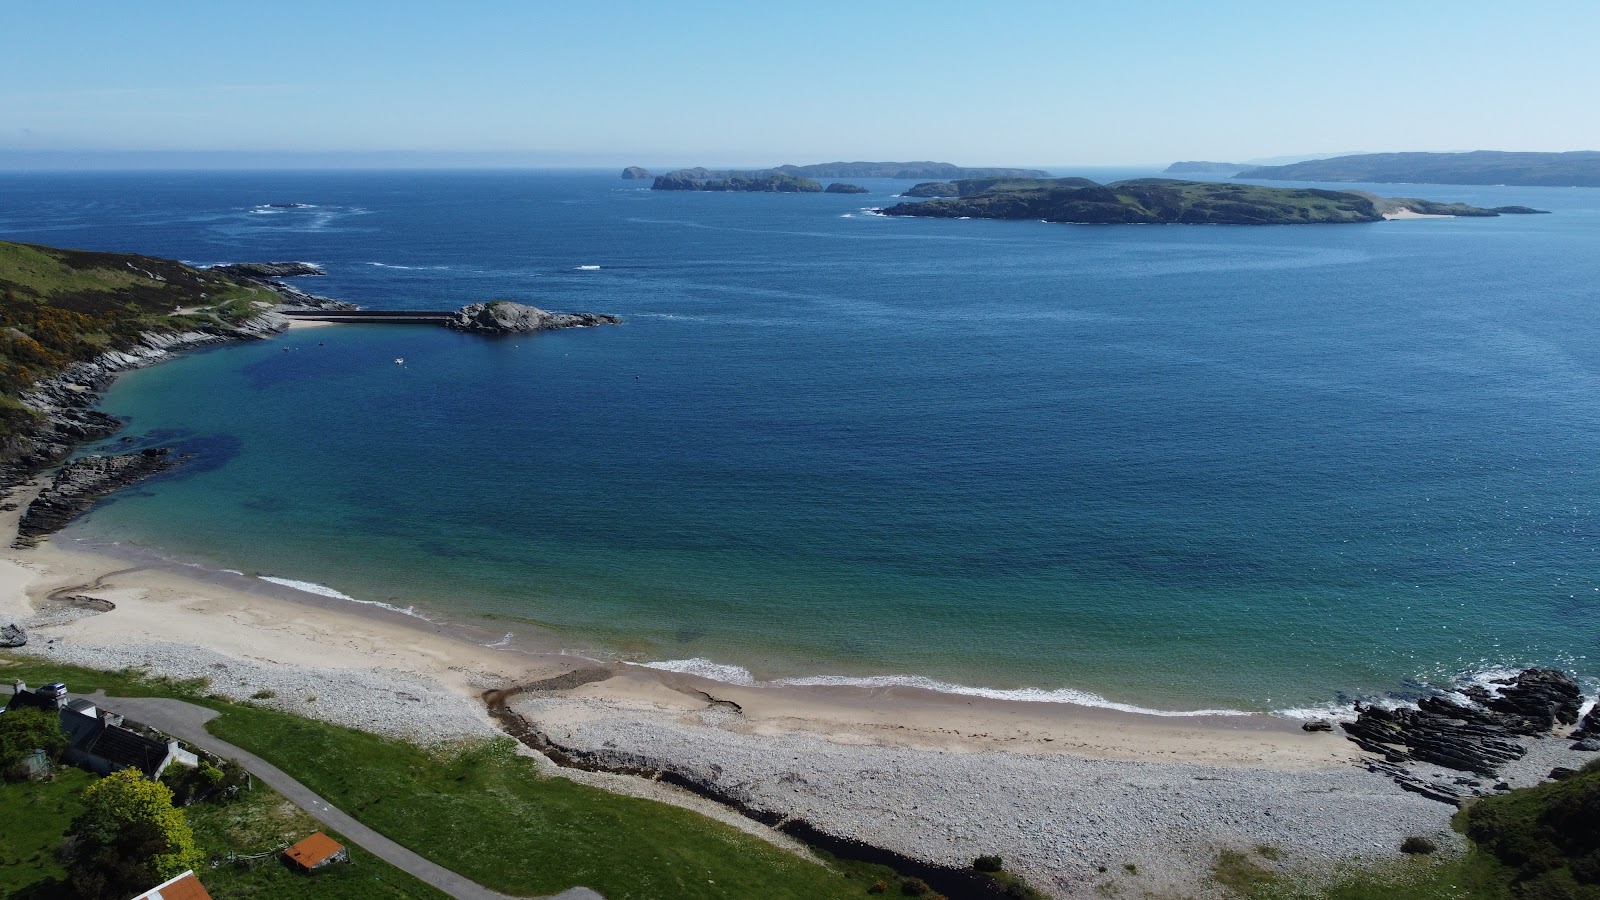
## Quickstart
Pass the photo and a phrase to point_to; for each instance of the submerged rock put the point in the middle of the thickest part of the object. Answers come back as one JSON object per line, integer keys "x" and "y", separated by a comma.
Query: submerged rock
{"x": 80, "y": 483}
{"x": 506, "y": 317}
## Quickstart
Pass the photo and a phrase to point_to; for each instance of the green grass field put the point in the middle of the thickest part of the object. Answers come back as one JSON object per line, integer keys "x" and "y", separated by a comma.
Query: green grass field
{"x": 487, "y": 813}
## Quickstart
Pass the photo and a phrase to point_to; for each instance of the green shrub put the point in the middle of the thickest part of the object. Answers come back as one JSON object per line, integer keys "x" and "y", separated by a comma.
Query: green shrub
{"x": 915, "y": 887}
{"x": 987, "y": 864}
{"x": 1418, "y": 845}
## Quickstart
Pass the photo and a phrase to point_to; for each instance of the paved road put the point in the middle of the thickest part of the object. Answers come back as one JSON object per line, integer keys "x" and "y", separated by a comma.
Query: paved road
{"x": 188, "y": 721}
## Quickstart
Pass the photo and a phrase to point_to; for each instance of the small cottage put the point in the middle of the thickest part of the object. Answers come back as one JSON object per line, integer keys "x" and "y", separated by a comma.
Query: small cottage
{"x": 100, "y": 740}
{"x": 316, "y": 851}
{"x": 184, "y": 887}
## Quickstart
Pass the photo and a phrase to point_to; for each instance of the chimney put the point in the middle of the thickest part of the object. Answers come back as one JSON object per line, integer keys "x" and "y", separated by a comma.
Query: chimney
{"x": 18, "y": 686}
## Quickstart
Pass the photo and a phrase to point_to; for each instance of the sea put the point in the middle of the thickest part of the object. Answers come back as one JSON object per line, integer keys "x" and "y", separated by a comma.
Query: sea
{"x": 1165, "y": 468}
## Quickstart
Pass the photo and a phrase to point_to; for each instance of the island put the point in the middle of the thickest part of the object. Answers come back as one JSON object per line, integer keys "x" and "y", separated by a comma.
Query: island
{"x": 1160, "y": 201}
{"x": 1203, "y": 167}
{"x": 636, "y": 173}
{"x": 698, "y": 179}
{"x": 790, "y": 179}
{"x": 1578, "y": 168}
{"x": 840, "y": 187}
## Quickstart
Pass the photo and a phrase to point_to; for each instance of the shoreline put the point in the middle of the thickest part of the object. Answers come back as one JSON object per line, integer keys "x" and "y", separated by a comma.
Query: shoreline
{"x": 1066, "y": 793}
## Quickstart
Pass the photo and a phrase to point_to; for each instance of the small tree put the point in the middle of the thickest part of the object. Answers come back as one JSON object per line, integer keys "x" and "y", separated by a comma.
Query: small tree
{"x": 129, "y": 838}
{"x": 25, "y": 730}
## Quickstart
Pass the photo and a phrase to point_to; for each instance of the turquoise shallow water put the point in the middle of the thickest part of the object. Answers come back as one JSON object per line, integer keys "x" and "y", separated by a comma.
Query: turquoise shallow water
{"x": 1178, "y": 467}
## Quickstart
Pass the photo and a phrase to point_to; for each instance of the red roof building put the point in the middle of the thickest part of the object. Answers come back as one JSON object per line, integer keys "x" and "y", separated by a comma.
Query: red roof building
{"x": 317, "y": 851}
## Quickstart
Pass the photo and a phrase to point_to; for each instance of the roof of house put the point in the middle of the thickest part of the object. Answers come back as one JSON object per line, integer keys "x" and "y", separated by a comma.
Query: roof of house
{"x": 313, "y": 849}
{"x": 129, "y": 748}
{"x": 81, "y": 705}
{"x": 184, "y": 887}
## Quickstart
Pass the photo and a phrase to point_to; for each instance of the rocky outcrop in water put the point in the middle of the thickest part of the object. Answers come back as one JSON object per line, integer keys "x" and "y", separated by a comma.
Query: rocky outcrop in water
{"x": 269, "y": 269}
{"x": 80, "y": 483}
{"x": 636, "y": 173}
{"x": 840, "y": 187}
{"x": 505, "y": 317}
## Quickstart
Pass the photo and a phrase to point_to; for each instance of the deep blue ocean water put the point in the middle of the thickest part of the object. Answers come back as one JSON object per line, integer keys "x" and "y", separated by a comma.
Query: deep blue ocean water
{"x": 1175, "y": 466}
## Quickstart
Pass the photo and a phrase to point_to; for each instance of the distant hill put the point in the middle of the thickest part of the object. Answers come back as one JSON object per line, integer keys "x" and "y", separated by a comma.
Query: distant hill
{"x": 1153, "y": 201}
{"x": 906, "y": 170}
{"x": 1200, "y": 167}
{"x": 798, "y": 179}
{"x": 1578, "y": 168}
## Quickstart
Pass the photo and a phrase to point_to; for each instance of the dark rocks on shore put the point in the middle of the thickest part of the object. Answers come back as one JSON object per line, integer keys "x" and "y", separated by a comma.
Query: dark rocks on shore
{"x": 1317, "y": 725}
{"x": 635, "y": 173}
{"x": 1590, "y": 726}
{"x": 80, "y": 483}
{"x": 506, "y": 317}
{"x": 839, "y": 187}
{"x": 1479, "y": 737}
{"x": 269, "y": 269}
{"x": 1540, "y": 698}
{"x": 13, "y": 636}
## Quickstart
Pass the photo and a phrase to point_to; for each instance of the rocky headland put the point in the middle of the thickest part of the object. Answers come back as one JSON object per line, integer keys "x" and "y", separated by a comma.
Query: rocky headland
{"x": 636, "y": 173}
{"x": 267, "y": 275}
{"x": 81, "y": 482}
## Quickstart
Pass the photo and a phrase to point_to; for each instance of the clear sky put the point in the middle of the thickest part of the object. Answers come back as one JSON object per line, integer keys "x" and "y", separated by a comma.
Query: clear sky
{"x": 607, "y": 83}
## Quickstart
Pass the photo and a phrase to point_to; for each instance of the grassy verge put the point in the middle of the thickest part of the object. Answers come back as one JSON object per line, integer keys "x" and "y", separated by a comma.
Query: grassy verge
{"x": 485, "y": 812}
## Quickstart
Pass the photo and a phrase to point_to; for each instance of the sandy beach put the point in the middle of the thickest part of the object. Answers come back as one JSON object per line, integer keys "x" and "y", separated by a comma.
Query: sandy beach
{"x": 1062, "y": 791}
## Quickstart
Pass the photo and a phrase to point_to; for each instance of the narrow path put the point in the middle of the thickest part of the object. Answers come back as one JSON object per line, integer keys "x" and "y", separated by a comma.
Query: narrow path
{"x": 188, "y": 721}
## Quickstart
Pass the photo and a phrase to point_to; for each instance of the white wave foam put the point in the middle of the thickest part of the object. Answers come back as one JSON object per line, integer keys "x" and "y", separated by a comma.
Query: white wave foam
{"x": 323, "y": 590}
{"x": 704, "y": 668}
{"x": 732, "y": 674}
{"x": 409, "y": 268}
{"x": 503, "y": 642}
{"x": 588, "y": 268}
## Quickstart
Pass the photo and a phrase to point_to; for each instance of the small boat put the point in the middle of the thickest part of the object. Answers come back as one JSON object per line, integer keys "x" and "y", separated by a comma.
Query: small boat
{"x": 399, "y": 360}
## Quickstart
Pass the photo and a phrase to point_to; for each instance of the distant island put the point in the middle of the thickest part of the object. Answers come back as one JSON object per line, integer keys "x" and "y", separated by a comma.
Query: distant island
{"x": 636, "y": 173}
{"x": 802, "y": 179}
{"x": 1578, "y": 168}
{"x": 1154, "y": 201}
{"x": 840, "y": 187}
{"x": 698, "y": 179}
{"x": 1202, "y": 167}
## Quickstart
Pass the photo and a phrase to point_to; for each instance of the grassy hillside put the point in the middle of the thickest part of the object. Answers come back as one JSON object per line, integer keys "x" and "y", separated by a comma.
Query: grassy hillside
{"x": 64, "y": 306}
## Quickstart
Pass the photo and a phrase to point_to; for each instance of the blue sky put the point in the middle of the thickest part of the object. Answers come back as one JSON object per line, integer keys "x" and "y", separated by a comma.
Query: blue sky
{"x": 610, "y": 83}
